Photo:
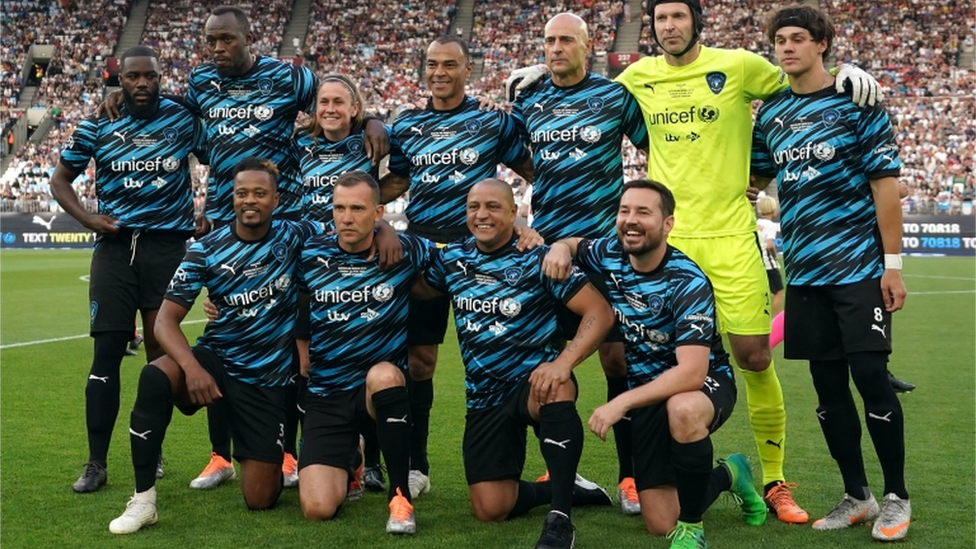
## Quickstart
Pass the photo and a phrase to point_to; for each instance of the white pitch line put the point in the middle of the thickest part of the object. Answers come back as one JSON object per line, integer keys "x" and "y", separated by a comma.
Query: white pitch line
{"x": 941, "y": 277}
{"x": 910, "y": 293}
{"x": 69, "y": 338}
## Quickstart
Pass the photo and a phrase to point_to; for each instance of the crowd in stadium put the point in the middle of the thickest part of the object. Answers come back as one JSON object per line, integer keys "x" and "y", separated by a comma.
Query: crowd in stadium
{"x": 928, "y": 96}
{"x": 382, "y": 54}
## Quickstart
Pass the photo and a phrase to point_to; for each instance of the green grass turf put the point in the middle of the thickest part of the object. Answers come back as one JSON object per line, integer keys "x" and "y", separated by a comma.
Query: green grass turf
{"x": 42, "y": 437}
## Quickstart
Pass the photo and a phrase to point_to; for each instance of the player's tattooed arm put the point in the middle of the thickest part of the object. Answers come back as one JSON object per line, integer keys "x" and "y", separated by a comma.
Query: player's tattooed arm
{"x": 558, "y": 263}
{"x": 393, "y": 186}
{"x": 597, "y": 319}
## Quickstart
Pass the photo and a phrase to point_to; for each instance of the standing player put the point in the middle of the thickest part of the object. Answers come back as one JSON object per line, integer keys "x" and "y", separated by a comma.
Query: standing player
{"x": 575, "y": 122}
{"x": 515, "y": 375}
{"x": 681, "y": 384}
{"x": 145, "y": 203}
{"x": 696, "y": 103}
{"x": 247, "y": 266}
{"x": 351, "y": 388}
{"x": 838, "y": 179}
{"x": 438, "y": 153}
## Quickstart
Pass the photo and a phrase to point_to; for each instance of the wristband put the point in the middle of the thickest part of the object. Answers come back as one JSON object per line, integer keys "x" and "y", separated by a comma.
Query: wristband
{"x": 892, "y": 261}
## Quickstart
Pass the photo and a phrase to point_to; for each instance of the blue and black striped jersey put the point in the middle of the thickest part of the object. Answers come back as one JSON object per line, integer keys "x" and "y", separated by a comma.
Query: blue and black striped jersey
{"x": 575, "y": 134}
{"x": 658, "y": 311}
{"x": 504, "y": 311}
{"x": 251, "y": 115}
{"x": 321, "y": 161}
{"x": 443, "y": 154}
{"x": 358, "y": 311}
{"x": 142, "y": 170}
{"x": 252, "y": 284}
{"x": 824, "y": 151}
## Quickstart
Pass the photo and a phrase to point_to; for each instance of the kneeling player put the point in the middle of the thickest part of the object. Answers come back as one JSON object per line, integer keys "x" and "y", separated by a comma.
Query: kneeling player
{"x": 351, "y": 386}
{"x": 515, "y": 376}
{"x": 248, "y": 267}
{"x": 681, "y": 385}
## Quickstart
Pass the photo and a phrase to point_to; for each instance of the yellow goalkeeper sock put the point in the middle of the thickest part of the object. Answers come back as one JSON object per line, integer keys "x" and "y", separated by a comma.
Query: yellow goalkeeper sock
{"x": 768, "y": 419}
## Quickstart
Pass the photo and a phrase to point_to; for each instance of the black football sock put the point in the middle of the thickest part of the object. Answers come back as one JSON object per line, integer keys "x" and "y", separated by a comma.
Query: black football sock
{"x": 393, "y": 433}
{"x": 883, "y": 416}
{"x": 719, "y": 480}
{"x": 530, "y": 496}
{"x": 150, "y": 417}
{"x": 421, "y": 401}
{"x": 561, "y": 444}
{"x": 840, "y": 423}
{"x": 692, "y": 464}
{"x": 102, "y": 392}
{"x": 371, "y": 453}
{"x": 622, "y": 437}
{"x": 218, "y": 423}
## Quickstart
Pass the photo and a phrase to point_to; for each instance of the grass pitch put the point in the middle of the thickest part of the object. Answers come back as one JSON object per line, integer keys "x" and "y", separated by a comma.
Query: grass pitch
{"x": 42, "y": 437}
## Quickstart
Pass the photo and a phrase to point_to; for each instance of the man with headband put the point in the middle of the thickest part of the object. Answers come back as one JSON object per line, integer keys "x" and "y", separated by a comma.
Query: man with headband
{"x": 841, "y": 219}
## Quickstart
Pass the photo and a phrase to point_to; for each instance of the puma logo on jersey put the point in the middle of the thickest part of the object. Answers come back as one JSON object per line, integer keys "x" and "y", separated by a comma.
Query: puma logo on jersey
{"x": 215, "y": 84}
{"x": 779, "y": 121}
{"x": 226, "y": 267}
{"x": 120, "y": 135}
{"x": 419, "y": 131}
{"x": 463, "y": 267}
{"x": 540, "y": 106}
{"x": 324, "y": 261}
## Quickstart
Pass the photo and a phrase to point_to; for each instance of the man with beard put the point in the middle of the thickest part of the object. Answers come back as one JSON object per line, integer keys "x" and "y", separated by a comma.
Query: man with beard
{"x": 681, "y": 387}
{"x": 248, "y": 267}
{"x": 145, "y": 215}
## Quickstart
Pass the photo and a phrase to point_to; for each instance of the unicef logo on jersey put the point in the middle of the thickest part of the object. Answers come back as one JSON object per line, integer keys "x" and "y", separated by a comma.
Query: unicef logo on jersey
{"x": 824, "y": 151}
{"x": 595, "y": 104}
{"x": 510, "y": 307}
{"x": 590, "y": 134}
{"x": 473, "y": 126}
{"x": 265, "y": 85}
{"x": 469, "y": 156}
{"x": 355, "y": 146}
{"x": 283, "y": 282}
{"x": 708, "y": 114}
{"x": 171, "y": 164}
{"x": 383, "y": 292}
{"x": 170, "y": 134}
{"x": 263, "y": 112}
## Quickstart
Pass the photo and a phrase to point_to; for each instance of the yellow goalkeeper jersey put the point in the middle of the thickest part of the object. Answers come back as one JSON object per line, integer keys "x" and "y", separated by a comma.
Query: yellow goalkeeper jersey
{"x": 699, "y": 119}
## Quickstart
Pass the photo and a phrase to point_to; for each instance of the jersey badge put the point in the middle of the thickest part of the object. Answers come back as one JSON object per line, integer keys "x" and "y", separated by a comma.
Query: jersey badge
{"x": 279, "y": 251}
{"x": 716, "y": 81}
{"x": 512, "y": 275}
{"x": 595, "y": 104}
{"x": 473, "y": 126}
{"x": 265, "y": 85}
{"x": 830, "y": 117}
{"x": 170, "y": 134}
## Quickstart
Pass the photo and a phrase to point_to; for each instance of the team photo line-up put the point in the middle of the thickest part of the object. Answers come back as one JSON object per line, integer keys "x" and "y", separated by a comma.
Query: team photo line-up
{"x": 294, "y": 252}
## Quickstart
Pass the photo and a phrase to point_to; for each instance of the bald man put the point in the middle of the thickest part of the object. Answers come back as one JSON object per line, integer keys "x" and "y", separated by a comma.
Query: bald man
{"x": 515, "y": 376}
{"x": 576, "y": 121}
